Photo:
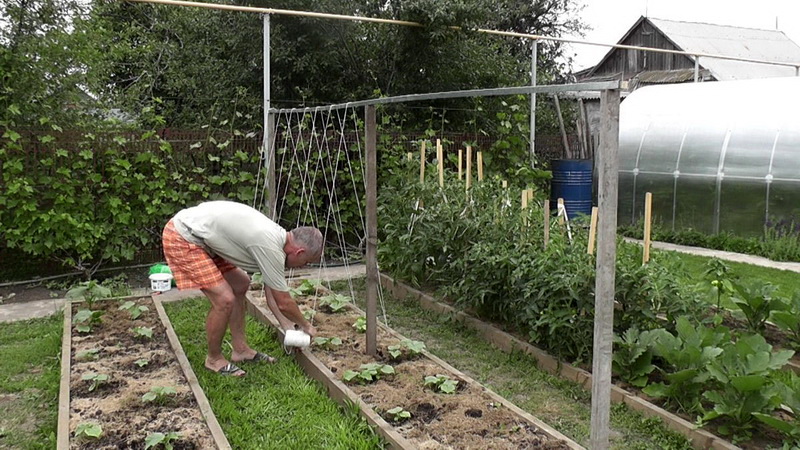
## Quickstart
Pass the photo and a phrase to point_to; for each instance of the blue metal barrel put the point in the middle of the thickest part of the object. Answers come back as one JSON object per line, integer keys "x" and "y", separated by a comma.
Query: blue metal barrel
{"x": 572, "y": 181}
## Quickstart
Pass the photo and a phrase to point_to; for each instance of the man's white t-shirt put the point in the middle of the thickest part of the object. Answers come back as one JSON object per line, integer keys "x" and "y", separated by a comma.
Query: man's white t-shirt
{"x": 242, "y": 235}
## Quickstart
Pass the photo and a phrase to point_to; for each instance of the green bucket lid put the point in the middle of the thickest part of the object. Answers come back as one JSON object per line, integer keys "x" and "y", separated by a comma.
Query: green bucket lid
{"x": 160, "y": 268}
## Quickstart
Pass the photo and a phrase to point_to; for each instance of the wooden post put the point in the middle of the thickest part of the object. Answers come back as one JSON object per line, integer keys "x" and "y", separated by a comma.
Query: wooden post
{"x": 460, "y": 163}
{"x": 372, "y": 229}
{"x": 270, "y": 163}
{"x": 567, "y": 150}
{"x": 480, "y": 166}
{"x": 440, "y": 162}
{"x": 648, "y": 215}
{"x": 409, "y": 156}
{"x": 469, "y": 166}
{"x": 559, "y": 211}
{"x": 524, "y": 204}
{"x": 546, "y": 222}
{"x": 608, "y": 165}
{"x": 592, "y": 231}
{"x": 505, "y": 184}
{"x": 422, "y": 163}
{"x": 530, "y": 194}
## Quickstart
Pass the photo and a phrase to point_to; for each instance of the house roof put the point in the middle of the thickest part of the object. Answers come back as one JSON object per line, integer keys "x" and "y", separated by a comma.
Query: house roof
{"x": 767, "y": 45}
{"x": 692, "y": 37}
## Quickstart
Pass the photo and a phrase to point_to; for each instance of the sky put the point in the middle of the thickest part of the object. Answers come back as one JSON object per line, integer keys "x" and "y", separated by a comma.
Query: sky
{"x": 611, "y": 19}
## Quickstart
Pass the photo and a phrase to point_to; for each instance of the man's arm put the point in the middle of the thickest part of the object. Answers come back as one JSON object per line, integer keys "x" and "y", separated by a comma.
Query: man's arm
{"x": 287, "y": 306}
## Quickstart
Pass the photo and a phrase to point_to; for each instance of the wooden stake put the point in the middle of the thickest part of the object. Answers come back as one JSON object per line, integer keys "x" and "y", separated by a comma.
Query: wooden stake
{"x": 648, "y": 215}
{"x": 524, "y": 198}
{"x": 422, "y": 163}
{"x": 460, "y": 164}
{"x": 505, "y": 184}
{"x": 440, "y": 161}
{"x": 530, "y": 194}
{"x": 546, "y": 222}
{"x": 480, "y": 166}
{"x": 410, "y": 156}
{"x": 560, "y": 208}
{"x": 592, "y": 231}
{"x": 469, "y": 166}
{"x": 524, "y": 203}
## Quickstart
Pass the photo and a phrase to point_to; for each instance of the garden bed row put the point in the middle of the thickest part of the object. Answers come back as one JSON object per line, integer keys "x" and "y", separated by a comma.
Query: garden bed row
{"x": 470, "y": 417}
{"x": 126, "y": 382}
{"x": 700, "y": 439}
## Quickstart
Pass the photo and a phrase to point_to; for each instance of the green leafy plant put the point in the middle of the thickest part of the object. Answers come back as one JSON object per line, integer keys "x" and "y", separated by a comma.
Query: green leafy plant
{"x": 335, "y": 302}
{"x": 153, "y": 440}
{"x": 441, "y": 383}
{"x": 143, "y": 332}
{"x": 330, "y": 343}
{"x": 88, "y": 430}
{"x": 633, "y": 356}
{"x": 88, "y": 355}
{"x": 360, "y": 325}
{"x": 159, "y": 394}
{"x": 788, "y": 384}
{"x": 788, "y": 319}
{"x": 306, "y": 287}
{"x": 368, "y": 373}
{"x": 685, "y": 357}
{"x": 141, "y": 362}
{"x": 406, "y": 348}
{"x": 90, "y": 291}
{"x": 757, "y": 302}
{"x": 398, "y": 414}
{"x": 309, "y": 314}
{"x": 133, "y": 309}
{"x": 719, "y": 276}
{"x": 96, "y": 379}
{"x": 744, "y": 387}
{"x": 86, "y": 318}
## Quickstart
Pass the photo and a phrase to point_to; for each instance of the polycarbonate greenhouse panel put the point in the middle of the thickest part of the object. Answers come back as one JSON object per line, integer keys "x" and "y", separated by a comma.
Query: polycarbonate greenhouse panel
{"x": 717, "y": 156}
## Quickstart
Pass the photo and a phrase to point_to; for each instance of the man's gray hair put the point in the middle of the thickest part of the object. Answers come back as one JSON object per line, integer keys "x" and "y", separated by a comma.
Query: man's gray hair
{"x": 310, "y": 239}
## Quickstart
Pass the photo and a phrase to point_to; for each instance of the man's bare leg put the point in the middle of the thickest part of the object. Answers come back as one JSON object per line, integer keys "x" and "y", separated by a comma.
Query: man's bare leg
{"x": 222, "y": 303}
{"x": 240, "y": 283}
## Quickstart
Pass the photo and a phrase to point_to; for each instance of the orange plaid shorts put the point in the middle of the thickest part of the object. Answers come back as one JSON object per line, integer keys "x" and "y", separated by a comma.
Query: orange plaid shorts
{"x": 191, "y": 266}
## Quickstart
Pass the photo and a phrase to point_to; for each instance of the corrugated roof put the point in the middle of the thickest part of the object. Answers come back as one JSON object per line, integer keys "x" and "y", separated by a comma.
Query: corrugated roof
{"x": 768, "y": 45}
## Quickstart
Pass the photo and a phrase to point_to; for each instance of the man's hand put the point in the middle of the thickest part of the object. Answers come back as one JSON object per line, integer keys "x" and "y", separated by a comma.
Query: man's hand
{"x": 310, "y": 330}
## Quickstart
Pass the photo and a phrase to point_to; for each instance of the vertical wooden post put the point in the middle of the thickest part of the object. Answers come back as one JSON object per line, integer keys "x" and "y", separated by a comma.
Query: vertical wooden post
{"x": 270, "y": 163}
{"x": 469, "y": 166}
{"x": 480, "y": 166}
{"x": 592, "y": 231}
{"x": 608, "y": 165}
{"x": 505, "y": 184}
{"x": 560, "y": 208}
{"x": 530, "y": 194}
{"x": 409, "y": 156}
{"x": 372, "y": 229}
{"x": 648, "y": 215}
{"x": 440, "y": 161}
{"x": 460, "y": 163}
{"x": 524, "y": 206}
{"x": 546, "y": 222}
{"x": 422, "y": 163}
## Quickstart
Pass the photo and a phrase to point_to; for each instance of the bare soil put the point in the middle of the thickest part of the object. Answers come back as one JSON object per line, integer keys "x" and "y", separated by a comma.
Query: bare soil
{"x": 467, "y": 419}
{"x": 117, "y": 405}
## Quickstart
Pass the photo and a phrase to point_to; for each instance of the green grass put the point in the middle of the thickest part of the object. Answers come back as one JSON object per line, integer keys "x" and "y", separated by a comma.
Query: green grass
{"x": 274, "y": 406}
{"x": 562, "y": 404}
{"x": 787, "y": 281}
{"x": 29, "y": 382}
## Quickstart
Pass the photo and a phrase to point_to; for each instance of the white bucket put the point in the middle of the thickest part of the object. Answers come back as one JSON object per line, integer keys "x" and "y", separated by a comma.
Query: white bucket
{"x": 161, "y": 282}
{"x": 296, "y": 338}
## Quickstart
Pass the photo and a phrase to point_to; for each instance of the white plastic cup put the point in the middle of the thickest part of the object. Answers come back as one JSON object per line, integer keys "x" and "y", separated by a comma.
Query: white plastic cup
{"x": 296, "y": 338}
{"x": 161, "y": 282}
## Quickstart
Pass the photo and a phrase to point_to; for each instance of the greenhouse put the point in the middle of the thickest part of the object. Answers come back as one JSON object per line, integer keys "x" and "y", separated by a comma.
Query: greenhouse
{"x": 717, "y": 157}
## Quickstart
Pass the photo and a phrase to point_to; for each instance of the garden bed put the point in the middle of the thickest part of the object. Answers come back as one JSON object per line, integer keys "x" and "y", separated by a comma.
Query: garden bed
{"x": 700, "y": 438}
{"x": 471, "y": 417}
{"x": 106, "y": 372}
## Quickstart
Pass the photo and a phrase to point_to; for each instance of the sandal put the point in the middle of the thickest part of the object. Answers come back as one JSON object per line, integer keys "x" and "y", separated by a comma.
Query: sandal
{"x": 260, "y": 357}
{"x": 229, "y": 370}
